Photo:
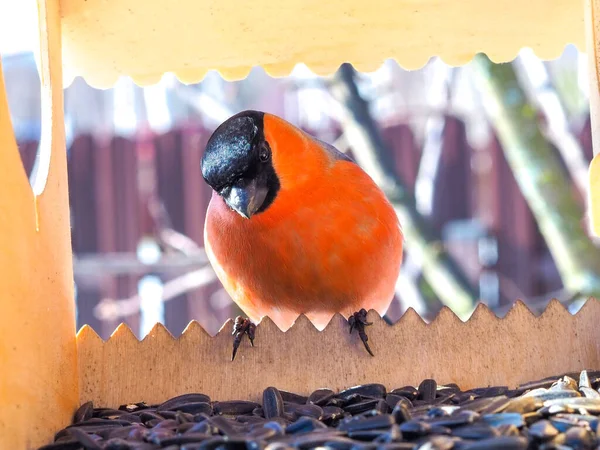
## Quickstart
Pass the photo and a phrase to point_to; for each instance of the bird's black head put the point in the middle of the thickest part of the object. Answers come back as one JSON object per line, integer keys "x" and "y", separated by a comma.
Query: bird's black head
{"x": 237, "y": 164}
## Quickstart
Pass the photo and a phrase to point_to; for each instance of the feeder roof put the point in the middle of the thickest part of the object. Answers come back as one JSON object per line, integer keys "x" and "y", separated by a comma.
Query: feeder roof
{"x": 104, "y": 39}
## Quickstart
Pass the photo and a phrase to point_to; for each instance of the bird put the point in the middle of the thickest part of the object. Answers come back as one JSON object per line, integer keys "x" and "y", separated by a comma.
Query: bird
{"x": 294, "y": 226}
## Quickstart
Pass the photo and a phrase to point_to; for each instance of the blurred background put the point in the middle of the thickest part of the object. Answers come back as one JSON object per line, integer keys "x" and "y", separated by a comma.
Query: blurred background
{"x": 486, "y": 165}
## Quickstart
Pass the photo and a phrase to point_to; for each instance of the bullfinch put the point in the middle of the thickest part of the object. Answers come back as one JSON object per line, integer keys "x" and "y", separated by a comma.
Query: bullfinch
{"x": 295, "y": 226}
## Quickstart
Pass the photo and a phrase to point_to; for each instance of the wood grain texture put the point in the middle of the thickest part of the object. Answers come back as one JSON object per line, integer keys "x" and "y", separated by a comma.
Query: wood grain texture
{"x": 104, "y": 39}
{"x": 483, "y": 351}
{"x": 38, "y": 361}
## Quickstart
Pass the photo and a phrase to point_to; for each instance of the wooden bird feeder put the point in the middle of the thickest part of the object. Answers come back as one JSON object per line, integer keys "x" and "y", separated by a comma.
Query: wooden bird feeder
{"x": 47, "y": 370}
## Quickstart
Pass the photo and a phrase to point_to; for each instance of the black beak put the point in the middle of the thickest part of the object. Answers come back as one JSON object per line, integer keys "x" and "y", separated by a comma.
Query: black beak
{"x": 245, "y": 197}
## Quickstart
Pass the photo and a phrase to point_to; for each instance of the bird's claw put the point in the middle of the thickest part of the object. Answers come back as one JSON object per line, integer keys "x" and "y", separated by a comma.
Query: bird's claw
{"x": 242, "y": 326}
{"x": 358, "y": 321}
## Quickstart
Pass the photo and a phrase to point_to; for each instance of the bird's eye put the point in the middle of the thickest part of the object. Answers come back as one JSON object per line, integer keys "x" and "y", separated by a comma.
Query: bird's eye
{"x": 264, "y": 153}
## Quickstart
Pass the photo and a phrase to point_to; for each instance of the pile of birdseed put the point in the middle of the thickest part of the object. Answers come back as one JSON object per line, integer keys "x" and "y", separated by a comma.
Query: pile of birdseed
{"x": 555, "y": 413}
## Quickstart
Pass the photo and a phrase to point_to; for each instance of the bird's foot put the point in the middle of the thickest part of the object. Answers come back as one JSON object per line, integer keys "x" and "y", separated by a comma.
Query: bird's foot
{"x": 358, "y": 321}
{"x": 242, "y": 326}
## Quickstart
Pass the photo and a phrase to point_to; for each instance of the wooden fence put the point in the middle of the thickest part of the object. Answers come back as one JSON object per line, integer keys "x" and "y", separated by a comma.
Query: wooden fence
{"x": 109, "y": 211}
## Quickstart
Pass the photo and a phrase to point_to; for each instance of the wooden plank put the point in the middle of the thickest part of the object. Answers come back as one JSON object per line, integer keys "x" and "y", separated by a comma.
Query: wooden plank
{"x": 196, "y": 196}
{"x": 105, "y": 211}
{"x": 38, "y": 360}
{"x": 510, "y": 220}
{"x": 404, "y": 153}
{"x": 125, "y": 214}
{"x": 84, "y": 212}
{"x": 483, "y": 351}
{"x": 229, "y": 36}
{"x": 517, "y": 236}
{"x": 453, "y": 186}
{"x": 170, "y": 190}
{"x": 118, "y": 212}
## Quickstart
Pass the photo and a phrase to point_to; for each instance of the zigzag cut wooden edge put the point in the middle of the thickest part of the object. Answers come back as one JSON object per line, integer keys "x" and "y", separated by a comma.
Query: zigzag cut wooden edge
{"x": 323, "y": 69}
{"x": 483, "y": 351}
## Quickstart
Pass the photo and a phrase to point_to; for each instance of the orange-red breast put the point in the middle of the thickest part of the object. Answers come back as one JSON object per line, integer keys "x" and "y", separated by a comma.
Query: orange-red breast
{"x": 295, "y": 226}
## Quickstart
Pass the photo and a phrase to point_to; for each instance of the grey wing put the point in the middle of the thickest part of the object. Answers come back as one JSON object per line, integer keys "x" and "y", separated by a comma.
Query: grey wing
{"x": 334, "y": 152}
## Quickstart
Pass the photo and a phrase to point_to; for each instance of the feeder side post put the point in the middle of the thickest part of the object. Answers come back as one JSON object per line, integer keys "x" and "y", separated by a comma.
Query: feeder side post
{"x": 592, "y": 25}
{"x": 39, "y": 389}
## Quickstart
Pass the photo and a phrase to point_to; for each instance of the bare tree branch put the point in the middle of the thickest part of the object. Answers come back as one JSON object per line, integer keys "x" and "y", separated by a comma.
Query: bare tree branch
{"x": 109, "y": 309}
{"x": 166, "y": 235}
{"x": 445, "y": 277}
{"x": 439, "y": 93}
{"x": 193, "y": 255}
{"x": 100, "y": 265}
{"x": 534, "y": 77}
{"x": 537, "y": 171}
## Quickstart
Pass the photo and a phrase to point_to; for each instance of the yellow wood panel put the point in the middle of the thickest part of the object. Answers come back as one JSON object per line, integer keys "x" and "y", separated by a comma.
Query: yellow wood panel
{"x": 107, "y": 38}
{"x": 38, "y": 360}
{"x": 592, "y": 25}
{"x": 595, "y": 194}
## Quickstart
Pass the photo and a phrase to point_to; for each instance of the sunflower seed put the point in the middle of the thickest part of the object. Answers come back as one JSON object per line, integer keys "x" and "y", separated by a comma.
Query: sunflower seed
{"x": 554, "y": 413}
{"x": 272, "y": 403}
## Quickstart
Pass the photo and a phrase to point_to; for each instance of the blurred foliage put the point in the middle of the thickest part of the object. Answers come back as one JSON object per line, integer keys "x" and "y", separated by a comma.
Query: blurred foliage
{"x": 538, "y": 172}
{"x": 566, "y": 82}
